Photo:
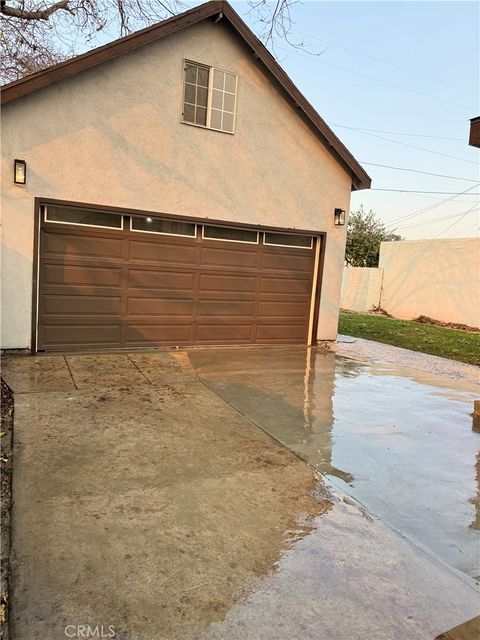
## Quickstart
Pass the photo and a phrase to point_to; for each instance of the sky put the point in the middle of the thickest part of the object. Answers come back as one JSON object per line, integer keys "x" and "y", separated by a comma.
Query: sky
{"x": 434, "y": 93}
{"x": 408, "y": 72}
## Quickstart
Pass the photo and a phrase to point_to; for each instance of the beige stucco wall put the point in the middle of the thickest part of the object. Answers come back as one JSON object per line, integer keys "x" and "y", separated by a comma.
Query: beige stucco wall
{"x": 361, "y": 288}
{"x": 112, "y": 136}
{"x": 435, "y": 278}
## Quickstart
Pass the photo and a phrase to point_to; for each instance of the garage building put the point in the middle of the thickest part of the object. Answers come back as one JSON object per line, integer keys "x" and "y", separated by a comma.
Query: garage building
{"x": 171, "y": 188}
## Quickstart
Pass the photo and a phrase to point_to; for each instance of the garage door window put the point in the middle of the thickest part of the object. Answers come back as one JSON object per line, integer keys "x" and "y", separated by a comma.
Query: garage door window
{"x": 83, "y": 217}
{"x": 288, "y": 240}
{"x": 166, "y": 227}
{"x": 230, "y": 234}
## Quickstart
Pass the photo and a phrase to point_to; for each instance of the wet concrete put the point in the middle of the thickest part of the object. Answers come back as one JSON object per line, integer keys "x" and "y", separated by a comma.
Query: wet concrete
{"x": 144, "y": 500}
{"x": 399, "y": 441}
{"x": 349, "y": 578}
{"x": 369, "y": 350}
{"x": 145, "y": 509}
{"x": 104, "y": 371}
{"x": 42, "y": 373}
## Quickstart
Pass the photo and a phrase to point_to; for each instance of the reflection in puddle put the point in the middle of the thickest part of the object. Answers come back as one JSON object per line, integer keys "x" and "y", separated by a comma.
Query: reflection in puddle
{"x": 399, "y": 441}
{"x": 476, "y": 499}
{"x": 348, "y": 578}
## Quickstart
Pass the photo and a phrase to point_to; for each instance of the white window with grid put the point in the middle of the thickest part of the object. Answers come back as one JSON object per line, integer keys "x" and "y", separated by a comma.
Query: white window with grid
{"x": 209, "y": 98}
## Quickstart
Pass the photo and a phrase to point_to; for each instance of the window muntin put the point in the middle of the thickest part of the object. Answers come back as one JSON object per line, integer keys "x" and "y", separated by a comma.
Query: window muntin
{"x": 165, "y": 227}
{"x": 222, "y": 107}
{"x": 288, "y": 240}
{"x": 230, "y": 234}
{"x": 195, "y": 97}
{"x": 209, "y": 97}
{"x": 83, "y": 217}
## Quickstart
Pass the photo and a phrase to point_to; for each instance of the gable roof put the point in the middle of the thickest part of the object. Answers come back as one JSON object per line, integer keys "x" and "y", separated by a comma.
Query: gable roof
{"x": 217, "y": 8}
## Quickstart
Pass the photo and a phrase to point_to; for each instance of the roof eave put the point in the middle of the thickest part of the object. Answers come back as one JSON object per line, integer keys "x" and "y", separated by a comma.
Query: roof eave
{"x": 51, "y": 75}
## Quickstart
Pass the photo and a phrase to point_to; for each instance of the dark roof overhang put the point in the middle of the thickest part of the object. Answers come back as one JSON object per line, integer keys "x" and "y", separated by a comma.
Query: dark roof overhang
{"x": 216, "y": 9}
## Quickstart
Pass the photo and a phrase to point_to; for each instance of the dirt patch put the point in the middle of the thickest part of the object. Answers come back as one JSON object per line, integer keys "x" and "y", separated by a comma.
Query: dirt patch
{"x": 378, "y": 311}
{"x": 466, "y": 631}
{"x": 6, "y": 500}
{"x": 449, "y": 325}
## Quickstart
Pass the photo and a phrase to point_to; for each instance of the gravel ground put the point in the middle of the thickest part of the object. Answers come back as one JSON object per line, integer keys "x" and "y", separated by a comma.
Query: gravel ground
{"x": 369, "y": 350}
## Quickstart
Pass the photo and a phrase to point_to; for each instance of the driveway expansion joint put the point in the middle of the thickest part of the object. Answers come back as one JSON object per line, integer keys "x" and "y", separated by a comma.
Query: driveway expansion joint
{"x": 70, "y": 372}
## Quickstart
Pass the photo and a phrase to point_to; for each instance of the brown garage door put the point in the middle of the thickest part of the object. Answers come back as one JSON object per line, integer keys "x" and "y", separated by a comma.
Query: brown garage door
{"x": 117, "y": 281}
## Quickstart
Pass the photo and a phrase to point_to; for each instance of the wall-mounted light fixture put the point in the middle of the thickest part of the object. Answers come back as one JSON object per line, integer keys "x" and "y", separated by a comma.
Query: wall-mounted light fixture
{"x": 339, "y": 217}
{"x": 19, "y": 171}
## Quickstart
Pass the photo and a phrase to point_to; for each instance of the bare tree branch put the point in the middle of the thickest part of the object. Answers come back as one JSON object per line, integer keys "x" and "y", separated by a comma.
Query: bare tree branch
{"x": 35, "y": 34}
{"x": 39, "y": 14}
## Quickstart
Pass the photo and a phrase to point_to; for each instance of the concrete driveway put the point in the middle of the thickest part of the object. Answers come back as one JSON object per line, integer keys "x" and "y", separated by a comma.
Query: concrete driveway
{"x": 150, "y": 498}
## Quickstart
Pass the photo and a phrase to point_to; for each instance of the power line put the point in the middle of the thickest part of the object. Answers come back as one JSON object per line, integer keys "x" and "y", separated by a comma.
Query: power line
{"x": 454, "y": 223}
{"x": 404, "y": 144}
{"x": 476, "y": 225}
{"x": 410, "y": 135}
{"x": 364, "y": 75}
{"x": 390, "y": 64}
{"x": 451, "y": 193}
{"x": 425, "y": 173}
{"x": 432, "y": 206}
{"x": 442, "y": 219}
{"x": 435, "y": 199}
{"x": 419, "y": 224}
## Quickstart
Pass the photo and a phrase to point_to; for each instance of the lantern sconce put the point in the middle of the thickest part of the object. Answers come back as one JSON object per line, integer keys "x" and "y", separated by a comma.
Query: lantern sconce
{"x": 19, "y": 171}
{"x": 339, "y": 217}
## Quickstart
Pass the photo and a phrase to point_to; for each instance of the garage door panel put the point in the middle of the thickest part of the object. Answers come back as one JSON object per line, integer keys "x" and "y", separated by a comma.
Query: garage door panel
{"x": 289, "y": 263}
{"x": 227, "y": 256}
{"x": 148, "y": 335}
{"x": 80, "y": 335}
{"x": 84, "y": 276}
{"x": 163, "y": 294}
{"x": 285, "y": 285}
{"x": 224, "y": 282}
{"x": 155, "y": 306}
{"x": 160, "y": 280}
{"x": 281, "y": 320}
{"x": 281, "y": 333}
{"x": 225, "y": 321}
{"x": 240, "y": 296}
{"x": 80, "y": 304}
{"x": 162, "y": 252}
{"x": 283, "y": 309}
{"x": 220, "y": 308}
{"x": 224, "y": 333}
{"x": 91, "y": 246}
{"x": 77, "y": 320}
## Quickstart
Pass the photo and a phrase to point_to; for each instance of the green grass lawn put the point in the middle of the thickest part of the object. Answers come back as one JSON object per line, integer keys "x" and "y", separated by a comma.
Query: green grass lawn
{"x": 439, "y": 341}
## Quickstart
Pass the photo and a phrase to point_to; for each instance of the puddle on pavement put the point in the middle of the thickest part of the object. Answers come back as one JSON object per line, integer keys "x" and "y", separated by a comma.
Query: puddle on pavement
{"x": 349, "y": 578}
{"x": 188, "y": 521}
{"x": 399, "y": 441}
